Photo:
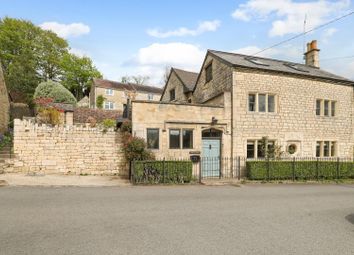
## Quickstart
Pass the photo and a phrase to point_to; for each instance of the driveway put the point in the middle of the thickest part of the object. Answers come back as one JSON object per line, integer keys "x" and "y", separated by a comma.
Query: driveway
{"x": 252, "y": 219}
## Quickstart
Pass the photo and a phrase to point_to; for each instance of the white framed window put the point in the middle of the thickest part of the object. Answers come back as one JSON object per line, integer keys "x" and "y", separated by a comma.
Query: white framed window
{"x": 108, "y": 105}
{"x": 150, "y": 96}
{"x": 109, "y": 92}
{"x": 261, "y": 102}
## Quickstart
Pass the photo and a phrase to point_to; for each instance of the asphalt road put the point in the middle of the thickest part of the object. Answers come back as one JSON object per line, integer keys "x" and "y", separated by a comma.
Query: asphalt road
{"x": 257, "y": 219}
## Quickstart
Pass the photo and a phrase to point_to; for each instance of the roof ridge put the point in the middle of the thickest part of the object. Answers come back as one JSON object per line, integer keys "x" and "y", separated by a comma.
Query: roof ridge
{"x": 184, "y": 70}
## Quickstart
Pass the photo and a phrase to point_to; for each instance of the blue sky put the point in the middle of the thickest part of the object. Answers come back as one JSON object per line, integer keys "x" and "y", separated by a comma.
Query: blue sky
{"x": 143, "y": 37}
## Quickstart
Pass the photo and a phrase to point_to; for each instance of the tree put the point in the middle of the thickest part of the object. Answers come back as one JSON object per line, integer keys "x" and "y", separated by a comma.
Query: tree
{"x": 78, "y": 74}
{"x": 137, "y": 79}
{"x": 54, "y": 90}
{"x": 166, "y": 74}
{"x": 99, "y": 101}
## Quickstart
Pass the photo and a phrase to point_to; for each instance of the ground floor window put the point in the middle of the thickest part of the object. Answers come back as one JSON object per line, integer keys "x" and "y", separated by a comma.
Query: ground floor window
{"x": 257, "y": 148}
{"x": 178, "y": 138}
{"x": 326, "y": 149}
{"x": 108, "y": 105}
{"x": 152, "y": 138}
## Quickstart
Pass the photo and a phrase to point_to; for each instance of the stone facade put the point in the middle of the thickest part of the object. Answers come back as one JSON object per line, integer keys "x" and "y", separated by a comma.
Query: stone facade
{"x": 294, "y": 119}
{"x": 4, "y": 104}
{"x": 166, "y": 116}
{"x": 174, "y": 83}
{"x": 67, "y": 150}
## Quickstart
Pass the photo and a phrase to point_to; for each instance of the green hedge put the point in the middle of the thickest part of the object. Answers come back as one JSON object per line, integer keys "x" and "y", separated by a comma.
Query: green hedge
{"x": 153, "y": 172}
{"x": 299, "y": 170}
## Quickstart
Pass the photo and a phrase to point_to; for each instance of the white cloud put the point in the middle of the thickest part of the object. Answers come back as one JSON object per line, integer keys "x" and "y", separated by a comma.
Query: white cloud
{"x": 152, "y": 60}
{"x": 205, "y": 26}
{"x": 328, "y": 33}
{"x": 79, "y": 52}
{"x": 289, "y": 15}
{"x": 66, "y": 30}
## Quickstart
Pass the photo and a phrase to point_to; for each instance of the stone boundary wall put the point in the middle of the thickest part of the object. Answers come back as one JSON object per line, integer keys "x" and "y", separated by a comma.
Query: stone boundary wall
{"x": 67, "y": 150}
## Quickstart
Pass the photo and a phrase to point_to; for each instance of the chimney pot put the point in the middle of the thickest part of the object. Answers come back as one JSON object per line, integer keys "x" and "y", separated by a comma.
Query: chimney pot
{"x": 314, "y": 45}
{"x": 312, "y": 54}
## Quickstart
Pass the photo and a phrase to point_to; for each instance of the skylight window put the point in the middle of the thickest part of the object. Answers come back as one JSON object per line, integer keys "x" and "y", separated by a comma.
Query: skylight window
{"x": 256, "y": 61}
{"x": 296, "y": 67}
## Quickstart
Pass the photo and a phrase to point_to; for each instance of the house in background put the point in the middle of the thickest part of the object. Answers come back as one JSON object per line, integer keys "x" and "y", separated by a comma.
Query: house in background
{"x": 179, "y": 86}
{"x": 116, "y": 94}
{"x": 4, "y": 104}
{"x": 238, "y": 99}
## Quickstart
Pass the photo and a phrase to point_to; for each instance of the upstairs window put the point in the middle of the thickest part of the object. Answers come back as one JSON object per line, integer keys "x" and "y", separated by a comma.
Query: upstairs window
{"x": 261, "y": 102}
{"x": 325, "y": 107}
{"x": 209, "y": 73}
{"x": 172, "y": 94}
{"x": 109, "y": 92}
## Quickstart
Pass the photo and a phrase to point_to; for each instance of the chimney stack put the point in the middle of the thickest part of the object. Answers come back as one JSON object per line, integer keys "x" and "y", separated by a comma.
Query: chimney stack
{"x": 312, "y": 55}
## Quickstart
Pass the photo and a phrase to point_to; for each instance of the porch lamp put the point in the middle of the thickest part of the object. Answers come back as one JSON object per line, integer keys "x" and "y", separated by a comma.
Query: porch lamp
{"x": 213, "y": 121}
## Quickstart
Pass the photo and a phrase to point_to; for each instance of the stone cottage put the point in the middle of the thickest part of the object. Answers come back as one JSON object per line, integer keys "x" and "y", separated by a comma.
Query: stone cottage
{"x": 116, "y": 94}
{"x": 4, "y": 104}
{"x": 238, "y": 99}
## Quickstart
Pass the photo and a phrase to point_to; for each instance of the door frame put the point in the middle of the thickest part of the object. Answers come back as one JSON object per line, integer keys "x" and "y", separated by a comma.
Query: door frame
{"x": 219, "y": 138}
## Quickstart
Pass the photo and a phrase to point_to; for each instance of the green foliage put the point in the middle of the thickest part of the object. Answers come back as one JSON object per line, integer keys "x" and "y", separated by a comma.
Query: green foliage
{"x": 49, "y": 115}
{"x": 154, "y": 172}
{"x": 55, "y": 90}
{"x": 99, "y": 101}
{"x": 5, "y": 139}
{"x": 270, "y": 151}
{"x": 78, "y": 74}
{"x": 108, "y": 123}
{"x": 30, "y": 55}
{"x": 126, "y": 126}
{"x": 299, "y": 170}
{"x": 135, "y": 148}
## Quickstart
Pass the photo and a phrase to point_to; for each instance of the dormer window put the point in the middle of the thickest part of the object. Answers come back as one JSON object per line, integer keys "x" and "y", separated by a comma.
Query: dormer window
{"x": 209, "y": 73}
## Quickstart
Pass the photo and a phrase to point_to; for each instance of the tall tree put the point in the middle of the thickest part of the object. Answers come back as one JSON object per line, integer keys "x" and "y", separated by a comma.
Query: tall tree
{"x": 78, "y": 73}
{"x": 137, "y": 79}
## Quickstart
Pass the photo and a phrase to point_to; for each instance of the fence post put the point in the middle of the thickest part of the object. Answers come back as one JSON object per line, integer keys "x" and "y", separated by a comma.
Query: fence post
{"x": 268, "y": 169}
{"x": 337, "y": 168}
{"x": 293, "y": 168}
{"x": 239, "y": 168}
{"x": 200, "y": 170}
{"x": 163, "y": 170}
{"x": 317, "y": 170}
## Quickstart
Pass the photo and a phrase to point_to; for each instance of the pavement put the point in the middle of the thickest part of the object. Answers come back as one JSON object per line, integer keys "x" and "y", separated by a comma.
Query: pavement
{"x": 186, "y": 219}
{"x": 62, "y": 180}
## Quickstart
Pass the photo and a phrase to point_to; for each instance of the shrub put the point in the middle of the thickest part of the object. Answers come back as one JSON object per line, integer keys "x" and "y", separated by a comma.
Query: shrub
{"x": 162, "y": 172}
{"x": 54, "y": 90}
{"x": 300, "y": 170}
{"x": 126, "y": 126}
{"x": 5, "y": 139}
{"x": 99, "y": 101}
{"x": 49, "y": 115}
{"x": 135, "y": 148}
{"x": 108, "y": 123}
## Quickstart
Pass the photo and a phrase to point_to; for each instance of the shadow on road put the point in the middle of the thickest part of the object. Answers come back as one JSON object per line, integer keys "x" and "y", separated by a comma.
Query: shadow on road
{"x": 350, "y": 218}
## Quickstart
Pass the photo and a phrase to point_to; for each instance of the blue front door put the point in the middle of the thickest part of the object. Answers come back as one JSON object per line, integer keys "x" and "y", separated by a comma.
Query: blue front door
{"x": 211, "y": 158}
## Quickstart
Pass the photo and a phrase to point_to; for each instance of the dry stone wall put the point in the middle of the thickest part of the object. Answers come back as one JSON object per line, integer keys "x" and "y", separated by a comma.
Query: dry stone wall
{"x": 67, "y": 150}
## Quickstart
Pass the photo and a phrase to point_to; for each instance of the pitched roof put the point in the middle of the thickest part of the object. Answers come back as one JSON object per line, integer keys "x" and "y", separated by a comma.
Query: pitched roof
{"x": 189, "y": 79}
{"x": 268, "y": 64}
{"x": 126, "y": 86}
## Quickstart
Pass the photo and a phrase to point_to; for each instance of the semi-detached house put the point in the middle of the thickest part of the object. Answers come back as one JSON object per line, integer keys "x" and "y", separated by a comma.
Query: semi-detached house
{"x": 236, "y": 100}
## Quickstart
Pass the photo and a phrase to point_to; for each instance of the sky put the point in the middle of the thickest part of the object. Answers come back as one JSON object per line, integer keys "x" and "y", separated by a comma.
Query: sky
{"x": 144, "y": 37}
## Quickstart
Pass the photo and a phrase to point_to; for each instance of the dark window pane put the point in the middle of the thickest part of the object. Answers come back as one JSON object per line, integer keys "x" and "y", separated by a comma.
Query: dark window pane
{"x": 261, "y": 103}
{"x": 209, "y": 73}
{"x": 333, "y": 149}
{"x": 252, "y": 102}
{"x": 333, "y": 108}
{"x": 271, "y": 103}
{"x": 260, "y": 149}
{"x": 250, "y": 149}
{"x": 318, "y": 149}
{"x": 326, "y": 108}
{"x": 175, "y": 139}
{"x": 152, "y": 138}
{"x": 326, "y": 149}
{"x": 318, "y": 107}
{"x": 187, "y": 139}
{"x": 172, "y": 94}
